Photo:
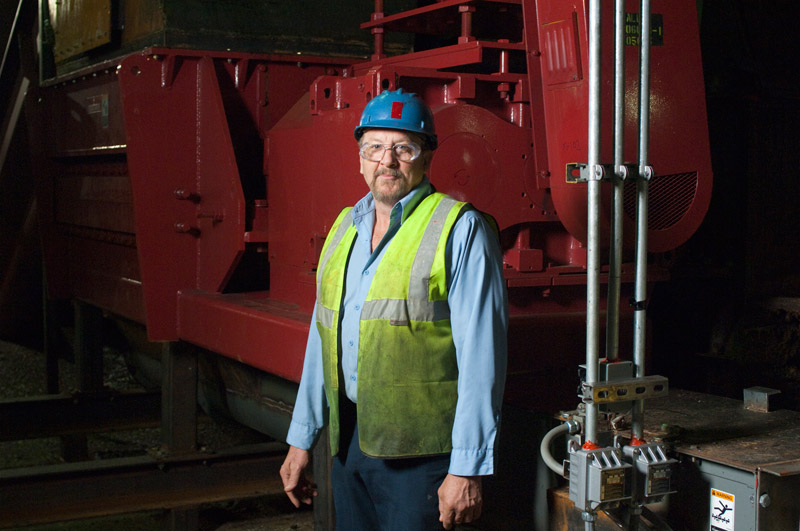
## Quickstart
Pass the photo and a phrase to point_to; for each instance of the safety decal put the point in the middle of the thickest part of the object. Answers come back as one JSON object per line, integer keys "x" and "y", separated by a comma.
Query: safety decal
{"x": 98, "y": 105}
{"x": 722, "y": 510}
{"x": 397, "y": 110}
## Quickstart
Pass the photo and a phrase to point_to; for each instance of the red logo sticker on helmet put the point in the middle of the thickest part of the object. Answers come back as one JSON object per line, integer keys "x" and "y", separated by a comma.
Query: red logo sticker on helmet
{"x": 397, "y": 110}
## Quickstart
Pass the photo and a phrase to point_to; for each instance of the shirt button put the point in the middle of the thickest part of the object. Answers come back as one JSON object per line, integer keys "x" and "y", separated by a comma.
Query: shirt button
{"x": 358, "y": 307}
{"x": 350, "y": 343}
{"x": 366, "y": 272}
{"x": 352, "y": 377}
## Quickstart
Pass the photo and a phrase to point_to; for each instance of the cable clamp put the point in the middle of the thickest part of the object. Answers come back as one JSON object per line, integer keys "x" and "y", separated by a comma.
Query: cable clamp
{"x": 579, "y": 172}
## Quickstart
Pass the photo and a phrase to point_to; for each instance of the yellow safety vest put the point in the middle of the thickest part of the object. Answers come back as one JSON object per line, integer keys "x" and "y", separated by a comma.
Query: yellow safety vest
{"x": 407, "y": 370}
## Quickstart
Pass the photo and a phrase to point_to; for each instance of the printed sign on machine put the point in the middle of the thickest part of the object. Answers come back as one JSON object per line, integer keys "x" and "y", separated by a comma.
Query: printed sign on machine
{"x": 722, "y": 510}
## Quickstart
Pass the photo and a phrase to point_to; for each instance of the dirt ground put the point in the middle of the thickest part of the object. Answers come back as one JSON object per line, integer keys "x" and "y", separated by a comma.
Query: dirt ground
{"x": 22, "y": 374}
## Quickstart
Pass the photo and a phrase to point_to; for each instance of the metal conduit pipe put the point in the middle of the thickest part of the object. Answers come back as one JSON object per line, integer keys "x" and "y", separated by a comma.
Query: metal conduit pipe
{"x": 615, "y": 264}
{"x": 593, "y": 233}
{"x": 645, "y": 172}
{"x": 544, "y": 448}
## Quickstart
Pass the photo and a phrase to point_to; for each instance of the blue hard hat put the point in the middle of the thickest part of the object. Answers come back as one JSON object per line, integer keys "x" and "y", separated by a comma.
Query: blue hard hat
{"x": 395, "y": 109}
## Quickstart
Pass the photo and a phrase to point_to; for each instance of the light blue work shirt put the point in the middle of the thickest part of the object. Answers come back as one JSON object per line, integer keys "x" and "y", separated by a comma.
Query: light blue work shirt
{"x": 479, "y": 320}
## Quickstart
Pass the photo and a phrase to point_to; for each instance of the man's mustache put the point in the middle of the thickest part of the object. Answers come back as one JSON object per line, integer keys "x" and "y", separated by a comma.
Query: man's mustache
{"x": 387, "y": 171}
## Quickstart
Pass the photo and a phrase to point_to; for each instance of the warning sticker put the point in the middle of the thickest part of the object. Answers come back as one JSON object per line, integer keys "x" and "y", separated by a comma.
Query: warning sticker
{"x": 722, "y": 510}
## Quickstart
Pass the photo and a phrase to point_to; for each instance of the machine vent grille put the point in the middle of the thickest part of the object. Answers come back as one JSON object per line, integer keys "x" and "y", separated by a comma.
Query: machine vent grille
{"x": 670, "y": 197}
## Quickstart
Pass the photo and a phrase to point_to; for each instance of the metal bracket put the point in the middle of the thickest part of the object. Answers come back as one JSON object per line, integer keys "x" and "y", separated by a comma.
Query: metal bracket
{"x": 578, "y": 172}
{"x": 625, "y": 390}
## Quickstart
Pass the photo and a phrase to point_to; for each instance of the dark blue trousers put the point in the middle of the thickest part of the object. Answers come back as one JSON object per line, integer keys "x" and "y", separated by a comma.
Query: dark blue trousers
{"x": 384, "y": 494}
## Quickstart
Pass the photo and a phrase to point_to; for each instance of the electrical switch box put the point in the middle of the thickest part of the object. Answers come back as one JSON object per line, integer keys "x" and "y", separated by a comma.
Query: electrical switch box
{"x": 598, "y": 478}
{"x": 652, "y": 471}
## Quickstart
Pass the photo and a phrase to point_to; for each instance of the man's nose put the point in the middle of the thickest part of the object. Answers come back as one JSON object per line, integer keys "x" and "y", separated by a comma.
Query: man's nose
{"x": 391, "y": 160}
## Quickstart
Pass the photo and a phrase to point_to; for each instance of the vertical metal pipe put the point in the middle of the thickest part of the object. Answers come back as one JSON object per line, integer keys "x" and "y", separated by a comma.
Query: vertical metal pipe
{"x": 593, "y": 236}
{"x": 615, "y": 263}
{"x": 377, "y": 32}
{"x": 466, "y": 23}
{"x": 640, "y": 289}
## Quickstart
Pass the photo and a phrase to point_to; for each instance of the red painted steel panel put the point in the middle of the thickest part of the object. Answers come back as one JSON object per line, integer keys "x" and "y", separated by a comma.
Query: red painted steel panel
{"x": 220, "y": 216}
{"x": 678, "y": 124}
{"x": 95, "y": 195}
{"x": 195, "y": 123}
{"x": 104, "y": 273}
{"x": 485, "y": 160}
{"x": 251, "y": 328}
{"x": 160, "y": 105}
{"x": 84, "y": 117}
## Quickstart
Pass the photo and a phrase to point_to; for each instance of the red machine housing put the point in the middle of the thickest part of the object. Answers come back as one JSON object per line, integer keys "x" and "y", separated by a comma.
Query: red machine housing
{"x": 175, "y": 225}
{"x": 510, "y": 114}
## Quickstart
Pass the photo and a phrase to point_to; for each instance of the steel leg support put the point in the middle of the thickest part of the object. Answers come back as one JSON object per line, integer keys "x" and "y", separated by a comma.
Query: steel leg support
{"x": 179, "y": 399}
{"x": 88, "y": 347}
{"x": 179, "y": 418}
{"x": 88, "y": 355}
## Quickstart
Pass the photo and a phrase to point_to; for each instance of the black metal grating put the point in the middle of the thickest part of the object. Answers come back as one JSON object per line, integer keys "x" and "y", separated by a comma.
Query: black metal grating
{"x": 669, "y": 199}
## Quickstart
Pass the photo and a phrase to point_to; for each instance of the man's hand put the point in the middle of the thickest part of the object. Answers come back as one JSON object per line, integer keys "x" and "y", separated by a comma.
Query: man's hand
{"x": 460, "y": 500}
{"x": 295, "y": 483}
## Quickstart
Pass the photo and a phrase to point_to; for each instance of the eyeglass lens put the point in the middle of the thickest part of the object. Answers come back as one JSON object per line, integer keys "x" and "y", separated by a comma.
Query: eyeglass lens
{"x": 403, "y": 152}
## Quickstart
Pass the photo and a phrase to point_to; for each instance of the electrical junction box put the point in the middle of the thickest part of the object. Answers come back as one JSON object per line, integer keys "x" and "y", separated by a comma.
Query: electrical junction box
{"x": 739, "y": 470}
{"x": 598, "y": 478}
{"x": 652, "y": 471}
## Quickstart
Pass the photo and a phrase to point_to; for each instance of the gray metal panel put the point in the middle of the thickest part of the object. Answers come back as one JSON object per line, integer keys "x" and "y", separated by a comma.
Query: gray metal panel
{"x": 741, "y": 485}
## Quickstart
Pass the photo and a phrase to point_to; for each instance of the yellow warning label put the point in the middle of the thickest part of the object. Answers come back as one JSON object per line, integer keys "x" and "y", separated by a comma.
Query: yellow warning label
{"x": 723, "y": 495}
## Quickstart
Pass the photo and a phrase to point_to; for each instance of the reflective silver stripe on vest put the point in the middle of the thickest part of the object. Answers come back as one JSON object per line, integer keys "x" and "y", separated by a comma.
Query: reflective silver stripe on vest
{"x": 400, "y": 312}
{"x": 418, "y": 307}
{"x": 325, "y": 315}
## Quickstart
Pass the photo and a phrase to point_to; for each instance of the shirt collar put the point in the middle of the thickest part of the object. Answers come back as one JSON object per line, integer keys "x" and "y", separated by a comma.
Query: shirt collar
{"x": 402, "y": 209}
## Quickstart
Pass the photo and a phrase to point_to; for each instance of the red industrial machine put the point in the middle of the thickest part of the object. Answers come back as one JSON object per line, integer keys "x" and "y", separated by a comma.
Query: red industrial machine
{"x": 190, "y": 191}
{"x": 508, "y": 89}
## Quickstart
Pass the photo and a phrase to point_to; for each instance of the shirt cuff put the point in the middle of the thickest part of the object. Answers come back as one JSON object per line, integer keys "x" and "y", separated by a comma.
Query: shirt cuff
{"x": 301, "y": 435}
{"x": 471, "y": 462}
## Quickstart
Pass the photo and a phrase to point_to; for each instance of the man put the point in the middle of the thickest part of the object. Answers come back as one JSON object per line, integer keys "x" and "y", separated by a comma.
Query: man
{"x": 406, "y": 355}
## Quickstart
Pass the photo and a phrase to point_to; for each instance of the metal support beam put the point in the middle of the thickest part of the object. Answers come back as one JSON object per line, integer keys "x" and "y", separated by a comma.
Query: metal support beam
{"x": 88, "y": 354}
{"x": 88, "y": 346}
{"x": 179, "y": 398}
{"x": 113, "y": 486}
{"x": 77, "y": 414}
{"x": 54, "y": 311}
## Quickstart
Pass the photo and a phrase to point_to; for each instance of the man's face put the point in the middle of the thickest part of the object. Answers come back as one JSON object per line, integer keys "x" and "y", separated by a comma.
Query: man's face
{"x": 391, "y": 179}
